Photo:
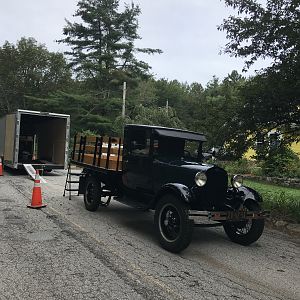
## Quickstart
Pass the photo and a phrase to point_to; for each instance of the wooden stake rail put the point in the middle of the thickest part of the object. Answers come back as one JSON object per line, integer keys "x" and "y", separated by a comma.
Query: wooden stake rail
{"x": 98, "y": 151}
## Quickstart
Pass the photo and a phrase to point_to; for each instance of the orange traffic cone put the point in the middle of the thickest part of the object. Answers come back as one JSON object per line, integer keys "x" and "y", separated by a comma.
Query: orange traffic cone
{"x": 36, "y": 200}
{"x": 1, "y": 167}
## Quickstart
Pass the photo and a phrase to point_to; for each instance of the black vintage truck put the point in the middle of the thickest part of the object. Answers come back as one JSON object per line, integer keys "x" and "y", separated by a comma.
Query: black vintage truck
{"x": 163, "y": 169}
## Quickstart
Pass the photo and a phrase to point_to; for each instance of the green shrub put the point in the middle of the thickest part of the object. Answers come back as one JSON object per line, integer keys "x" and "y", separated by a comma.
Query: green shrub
{"x": 283, "y": 202}
{"x": 282, "y": 162}
{"x": 241, "y": 166}
{"x": 282, "y": 206}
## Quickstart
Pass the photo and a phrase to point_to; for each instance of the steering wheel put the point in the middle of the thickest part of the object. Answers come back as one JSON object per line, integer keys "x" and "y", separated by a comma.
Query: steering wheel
{"x": 187, "y": 153}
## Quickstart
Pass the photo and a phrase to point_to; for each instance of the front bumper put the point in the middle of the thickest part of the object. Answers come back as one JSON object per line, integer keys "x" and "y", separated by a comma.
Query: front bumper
{"x": 233, "y": 216}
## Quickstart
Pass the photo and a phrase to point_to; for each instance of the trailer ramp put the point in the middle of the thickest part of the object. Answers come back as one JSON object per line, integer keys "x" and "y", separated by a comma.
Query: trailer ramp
{"x": 31, "y": 172}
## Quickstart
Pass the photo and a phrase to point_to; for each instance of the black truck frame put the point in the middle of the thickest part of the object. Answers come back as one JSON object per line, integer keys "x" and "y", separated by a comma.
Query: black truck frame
{"x": 163, "y": 169}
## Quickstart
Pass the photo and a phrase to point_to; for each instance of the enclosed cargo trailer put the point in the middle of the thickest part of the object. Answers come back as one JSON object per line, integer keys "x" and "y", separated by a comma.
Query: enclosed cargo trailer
{"x": 33, "y": 137}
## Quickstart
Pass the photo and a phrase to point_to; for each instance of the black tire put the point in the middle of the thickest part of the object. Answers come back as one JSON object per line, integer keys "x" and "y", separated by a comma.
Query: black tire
{"x": 245, "y": 232}
{"x": 92, "y": 194}
{"x": 172, "y": 225}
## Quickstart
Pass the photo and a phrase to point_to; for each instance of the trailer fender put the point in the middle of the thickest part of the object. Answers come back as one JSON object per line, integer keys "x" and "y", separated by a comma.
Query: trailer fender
{"x": 179, "y": 190}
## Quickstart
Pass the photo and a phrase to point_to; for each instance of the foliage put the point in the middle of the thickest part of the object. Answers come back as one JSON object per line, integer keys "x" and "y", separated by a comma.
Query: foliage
{"x": 148, "y": 116}
{"x": 103, "y": 51}
{"x": 271, "y": 102}
{"x": 86, "y": 110}
{"x": 28, "y": 68}
{"x": 211, "y": 110}
{"x": 156, "y": 116}
{"x": 241, "y": 166}
{"x": 261, "y": 31}
{"x": 283, "y": 202}
{"x": 119, "y": 124}
{"x": 88, "y": 132}
{"x": 282, "y": 162}
{"x": 145, "y": 93}
{"x": 271, "y": 99}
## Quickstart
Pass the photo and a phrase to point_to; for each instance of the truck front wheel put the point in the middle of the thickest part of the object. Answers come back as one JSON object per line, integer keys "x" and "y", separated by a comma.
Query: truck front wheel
{"x": 245, "y": 232}
{"x": 172, "y": 224}
{"x": 92, "y": 194}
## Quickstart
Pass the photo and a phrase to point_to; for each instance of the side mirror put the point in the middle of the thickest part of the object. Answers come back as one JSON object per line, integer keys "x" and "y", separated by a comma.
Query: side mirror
{"x": 214, "y": 151}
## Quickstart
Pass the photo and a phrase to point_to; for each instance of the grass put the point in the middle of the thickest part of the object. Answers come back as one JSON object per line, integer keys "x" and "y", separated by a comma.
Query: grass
{"x": 283, "y": 202}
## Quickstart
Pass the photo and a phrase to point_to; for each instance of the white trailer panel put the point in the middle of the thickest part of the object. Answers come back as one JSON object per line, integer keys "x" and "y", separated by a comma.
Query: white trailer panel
{"x": 37, "y": 138}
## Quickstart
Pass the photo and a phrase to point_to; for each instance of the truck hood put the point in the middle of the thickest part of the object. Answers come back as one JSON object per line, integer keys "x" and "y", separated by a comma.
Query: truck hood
{"x": 192, "y": 165}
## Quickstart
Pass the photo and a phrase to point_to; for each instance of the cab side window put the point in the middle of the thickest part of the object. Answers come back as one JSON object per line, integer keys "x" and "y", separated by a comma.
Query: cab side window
{"x": 168, "y": 147}
{"x": 139, "y": 142}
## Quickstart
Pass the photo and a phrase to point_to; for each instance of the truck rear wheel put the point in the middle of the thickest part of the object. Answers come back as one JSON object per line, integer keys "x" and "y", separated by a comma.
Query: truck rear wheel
{"x": 172, "y": 224}
{"x": 245, "y": 232}
{"x": 92, "y": 194}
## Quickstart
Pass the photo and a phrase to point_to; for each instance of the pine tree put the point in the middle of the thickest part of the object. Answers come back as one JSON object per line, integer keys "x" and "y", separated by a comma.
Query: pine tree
{"x": 103, "y": 50}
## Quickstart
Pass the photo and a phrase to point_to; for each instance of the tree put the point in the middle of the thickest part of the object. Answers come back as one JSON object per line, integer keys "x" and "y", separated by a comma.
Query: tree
{"x": 103, "y": 50}
{"x": 216, "y": 114}
{"x": 264, "y": 32}
{"x": 157, "y": 116}
{"x": 144, "y": 93}
{"x": 270, "y": 103}
{"x": 86, "y": 112}
{"x": 272, "y": 98}
{"x": 28, "y": 68}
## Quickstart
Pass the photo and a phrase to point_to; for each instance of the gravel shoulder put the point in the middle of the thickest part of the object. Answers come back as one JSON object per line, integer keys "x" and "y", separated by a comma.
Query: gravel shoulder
{"x": 64, "y": 251}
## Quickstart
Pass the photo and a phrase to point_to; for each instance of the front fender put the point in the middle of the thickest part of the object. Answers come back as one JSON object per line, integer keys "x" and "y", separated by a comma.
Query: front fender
{"x": 250, "y": 194}
{"x": 177, "y": 189}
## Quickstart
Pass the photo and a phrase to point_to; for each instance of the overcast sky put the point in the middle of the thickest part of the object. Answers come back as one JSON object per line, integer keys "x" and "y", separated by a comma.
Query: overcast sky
{"x": 186, "y": 31}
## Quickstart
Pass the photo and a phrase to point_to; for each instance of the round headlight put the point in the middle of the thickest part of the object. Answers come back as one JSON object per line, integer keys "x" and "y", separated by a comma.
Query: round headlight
{"x": 200, "y": 179}
{"x": 237, "y": 181}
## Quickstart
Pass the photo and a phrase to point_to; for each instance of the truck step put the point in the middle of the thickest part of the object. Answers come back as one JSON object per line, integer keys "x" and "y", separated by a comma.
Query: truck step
{"x": 76, "y": 174}
{"x": 72, "y": 190}
{"x": 72, "y": 181}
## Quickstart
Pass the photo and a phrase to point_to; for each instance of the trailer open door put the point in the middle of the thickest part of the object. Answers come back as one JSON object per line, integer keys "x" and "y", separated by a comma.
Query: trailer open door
{"x": 10, "y": 140}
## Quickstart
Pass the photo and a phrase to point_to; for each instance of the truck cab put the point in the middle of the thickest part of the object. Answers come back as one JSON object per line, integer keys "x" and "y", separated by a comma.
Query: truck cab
{"x": 163, "y": 169}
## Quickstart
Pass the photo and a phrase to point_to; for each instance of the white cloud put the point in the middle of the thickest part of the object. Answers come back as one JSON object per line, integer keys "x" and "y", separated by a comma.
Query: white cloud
{"x": 185, "y": 30}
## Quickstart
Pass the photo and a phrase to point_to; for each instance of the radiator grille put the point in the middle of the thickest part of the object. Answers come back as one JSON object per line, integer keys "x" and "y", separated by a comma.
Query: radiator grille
{"x": 213, "y": 194}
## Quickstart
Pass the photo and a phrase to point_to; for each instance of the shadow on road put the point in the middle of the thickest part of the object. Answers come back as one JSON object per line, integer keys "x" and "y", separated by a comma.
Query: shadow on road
{"x": 22, "y": 172}
{"x": 141, "y": 223}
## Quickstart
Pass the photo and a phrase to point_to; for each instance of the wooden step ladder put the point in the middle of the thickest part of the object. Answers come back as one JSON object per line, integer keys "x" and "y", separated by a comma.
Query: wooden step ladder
{"x": 70, "y": 181}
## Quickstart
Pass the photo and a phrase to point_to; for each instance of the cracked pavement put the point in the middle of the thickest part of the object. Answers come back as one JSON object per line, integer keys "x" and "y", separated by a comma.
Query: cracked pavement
{"x": 64, "y": 251}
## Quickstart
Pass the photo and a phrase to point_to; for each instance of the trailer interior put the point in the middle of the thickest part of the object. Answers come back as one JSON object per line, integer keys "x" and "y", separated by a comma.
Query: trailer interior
{"x": 42, "y": 141}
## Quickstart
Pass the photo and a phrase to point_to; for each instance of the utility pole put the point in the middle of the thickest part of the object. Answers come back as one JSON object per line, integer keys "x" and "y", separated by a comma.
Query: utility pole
{"x": 167, "y": 107}
{"x": 124, "y": 100}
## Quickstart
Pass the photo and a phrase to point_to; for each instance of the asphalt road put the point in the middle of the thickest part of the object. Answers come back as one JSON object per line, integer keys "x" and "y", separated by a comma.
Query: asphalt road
{"x": 65, "y": 252}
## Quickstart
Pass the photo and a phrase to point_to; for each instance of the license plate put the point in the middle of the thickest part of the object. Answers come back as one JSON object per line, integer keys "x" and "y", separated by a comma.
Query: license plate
{"x": 237, "y": 215}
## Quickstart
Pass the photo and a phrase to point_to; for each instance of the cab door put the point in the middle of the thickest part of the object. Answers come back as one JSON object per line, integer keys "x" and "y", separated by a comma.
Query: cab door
{"x": 137, "y": 162}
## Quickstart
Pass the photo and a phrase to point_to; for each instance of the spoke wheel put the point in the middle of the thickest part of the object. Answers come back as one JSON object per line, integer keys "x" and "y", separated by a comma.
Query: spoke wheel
{"x": 172, "y": 224}
{"x": 92, "y": 195}
{"x": 169, "y": 222}
{"x": 245, "y": 232}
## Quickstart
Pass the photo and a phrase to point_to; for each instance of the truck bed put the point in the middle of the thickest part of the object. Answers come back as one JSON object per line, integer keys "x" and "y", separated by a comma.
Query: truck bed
{"x": 100, "y": 153}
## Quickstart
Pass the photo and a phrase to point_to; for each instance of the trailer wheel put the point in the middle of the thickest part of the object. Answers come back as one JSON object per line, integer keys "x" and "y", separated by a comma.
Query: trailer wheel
{"x": 92, "y": 194}
{"x": 245, "y": 232}
{"x": 172, "y": 225}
